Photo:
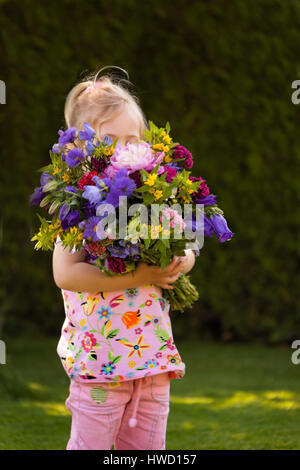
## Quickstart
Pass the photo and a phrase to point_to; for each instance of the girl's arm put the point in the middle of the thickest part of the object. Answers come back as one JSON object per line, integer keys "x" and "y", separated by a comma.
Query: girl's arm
{"x": 71, "y": 272}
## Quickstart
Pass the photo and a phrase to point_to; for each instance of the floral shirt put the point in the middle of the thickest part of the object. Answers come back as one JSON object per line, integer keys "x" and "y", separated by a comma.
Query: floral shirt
{"x": 118, "y": 335}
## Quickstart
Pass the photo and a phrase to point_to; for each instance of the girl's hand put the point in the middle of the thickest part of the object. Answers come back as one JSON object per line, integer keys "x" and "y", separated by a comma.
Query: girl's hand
{"x": 161, "y": 277}
{"x": 188, "y": 261}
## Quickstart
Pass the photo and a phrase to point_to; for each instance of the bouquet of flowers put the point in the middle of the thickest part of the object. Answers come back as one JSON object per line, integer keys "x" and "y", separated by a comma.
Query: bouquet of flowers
{"x": 86, "y": 189}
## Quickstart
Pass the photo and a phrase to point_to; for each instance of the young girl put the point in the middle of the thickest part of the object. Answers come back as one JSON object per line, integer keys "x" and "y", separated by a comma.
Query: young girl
{"x": 116, "y": 342}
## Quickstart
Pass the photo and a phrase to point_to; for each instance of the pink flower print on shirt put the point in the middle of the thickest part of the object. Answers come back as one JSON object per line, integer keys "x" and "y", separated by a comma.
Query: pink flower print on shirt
{"x": 170, "y": 344}
{"x": 88, "y": 342}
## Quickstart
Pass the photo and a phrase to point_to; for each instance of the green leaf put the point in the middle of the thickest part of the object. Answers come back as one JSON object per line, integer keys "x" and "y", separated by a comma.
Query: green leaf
{"x": 78, "y": 353}
{"x": 112, "y": 333}
{"x": 110, "y": 356}
{"x": 116, "y": 359}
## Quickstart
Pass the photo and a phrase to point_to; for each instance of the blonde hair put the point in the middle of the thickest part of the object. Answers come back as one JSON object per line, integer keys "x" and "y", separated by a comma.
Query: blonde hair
{"x": 97, "y": 99}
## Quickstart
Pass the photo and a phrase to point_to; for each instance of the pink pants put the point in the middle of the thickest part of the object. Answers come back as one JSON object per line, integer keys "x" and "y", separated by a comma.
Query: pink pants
{"x": 103, "y": 414}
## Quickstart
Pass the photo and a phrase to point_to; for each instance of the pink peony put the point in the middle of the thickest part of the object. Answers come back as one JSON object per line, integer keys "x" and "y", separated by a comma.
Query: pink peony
{"x": 134, "y": 157}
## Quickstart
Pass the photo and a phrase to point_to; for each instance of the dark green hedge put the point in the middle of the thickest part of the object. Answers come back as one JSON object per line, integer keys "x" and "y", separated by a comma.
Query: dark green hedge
{"x": 220, "y": 72}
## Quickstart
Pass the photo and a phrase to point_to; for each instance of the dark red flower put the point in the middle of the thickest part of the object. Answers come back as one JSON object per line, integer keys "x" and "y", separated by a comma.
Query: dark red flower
{"x": 99, "y": 164}
{"x": 87, "y": 179}
{"x": 115, "y": 264}
{"x": 136, "y": 176}
{"x": 203, "y": 190}
{"x": 182, "y": 152}
{"x": 171, "y": 173}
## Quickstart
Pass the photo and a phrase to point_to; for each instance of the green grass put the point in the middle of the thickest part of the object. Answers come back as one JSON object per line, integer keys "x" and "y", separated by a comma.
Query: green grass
{"x": 233, "y": 396}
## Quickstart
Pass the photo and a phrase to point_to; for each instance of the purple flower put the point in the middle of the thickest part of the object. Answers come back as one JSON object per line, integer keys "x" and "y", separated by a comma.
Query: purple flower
{"x": 88, "y": 132}
{"x": 56, "y": 148}
{"x": 118, "y": 251}
{"x": 207, "y": 200}
{"x": 90, "y": 147}
{"x": 72, "y": 219}
{"x": 67, "y": 136}
{"x": 45, "y": 177}
{"x": 121, "y": 185}
{"x": 63, "y": 211}
{"x": 220, "y": 228}
{"x": 92, "y": 194}
{"x": 124, "y": 249}
{"x": 208, "y": 227}
{"x": 107, "y": 141}
{"x": 91, "y": 227}
{"x": 36, "y": 197}
{"x": 74, "y": 157}
{"x": 133, "y": 248}
{"x": 71, "y": 189}
{"x": 89, "y": 210}
{"x": 173, "y": 165}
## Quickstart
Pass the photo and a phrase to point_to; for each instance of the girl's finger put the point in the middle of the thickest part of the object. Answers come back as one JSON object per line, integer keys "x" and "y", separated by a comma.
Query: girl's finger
{"x": 166, "y": 286}
{"x": 175, "y": 263}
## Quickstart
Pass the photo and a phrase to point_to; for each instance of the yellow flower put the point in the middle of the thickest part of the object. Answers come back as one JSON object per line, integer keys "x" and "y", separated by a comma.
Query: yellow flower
{"x": 131, "y": 363}
{"x": 151, "y": 179}
{"x": 56, "y": 170}
{"x": 168, "y": 159}
{"x": 189, "y": 182}
{"x": 109, "y": 151}
{"x": 166, "y": 148}
{"x": 158, "y": 147}
{"x": 190, "y": 191}
{"x": 57, "y": 223}
{"x": 66, "y": 178}
{"x": 152, "y": 190}
{"x": 154, "y": 231}
{"x": 158, "y": 194}
{"x": 167, "y": 139}
{"x": 82, "y": 322}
